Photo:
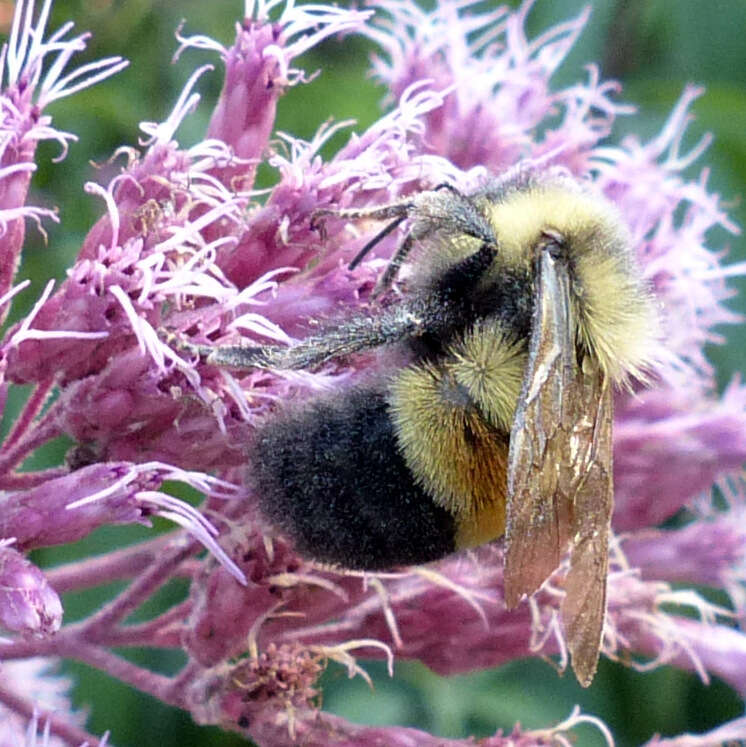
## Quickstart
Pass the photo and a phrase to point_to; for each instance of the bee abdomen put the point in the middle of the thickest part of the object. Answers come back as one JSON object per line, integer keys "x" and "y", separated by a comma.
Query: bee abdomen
{"x": 331, "y": 477}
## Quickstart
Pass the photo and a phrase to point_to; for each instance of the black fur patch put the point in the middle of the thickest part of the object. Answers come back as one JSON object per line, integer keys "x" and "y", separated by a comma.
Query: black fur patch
{"x": 452, "y": 310}
{"x": 332, "y": 478}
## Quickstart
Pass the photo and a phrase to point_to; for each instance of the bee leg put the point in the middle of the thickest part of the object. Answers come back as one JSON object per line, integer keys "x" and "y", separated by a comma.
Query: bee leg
{"x": 230, "y": 356}
{"x": 399, "y": 211}
{"x": 385, "y": 280}
{"x": 395, "y": 210}
{"x": 352, "y": 336}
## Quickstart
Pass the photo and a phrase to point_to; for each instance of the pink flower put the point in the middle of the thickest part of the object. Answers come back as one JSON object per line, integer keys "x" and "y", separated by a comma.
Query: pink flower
{"x": 27, "y": 89}
{"x": 186, "y": 242}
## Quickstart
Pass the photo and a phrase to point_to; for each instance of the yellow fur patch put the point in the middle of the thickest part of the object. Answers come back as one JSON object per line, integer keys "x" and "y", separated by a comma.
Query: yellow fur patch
{"x": 453, "y": 423}
{"x": 615, "y": 313}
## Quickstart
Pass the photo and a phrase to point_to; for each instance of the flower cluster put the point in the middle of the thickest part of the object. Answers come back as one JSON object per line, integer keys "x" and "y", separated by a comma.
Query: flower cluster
{"x": 185, "y": 242}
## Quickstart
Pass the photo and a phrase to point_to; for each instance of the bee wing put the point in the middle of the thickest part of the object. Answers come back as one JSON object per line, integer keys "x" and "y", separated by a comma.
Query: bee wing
{"x": 537, "y": 521}
{"x": 584, "y": 606}
{"x": 559, "y": 471}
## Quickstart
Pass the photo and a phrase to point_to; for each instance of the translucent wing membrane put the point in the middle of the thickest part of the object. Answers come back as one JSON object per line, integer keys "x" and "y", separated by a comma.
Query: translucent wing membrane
{"x": 537, "y": 519}
{"x": 592, "y": 497}
{"x": 559, "y": 469}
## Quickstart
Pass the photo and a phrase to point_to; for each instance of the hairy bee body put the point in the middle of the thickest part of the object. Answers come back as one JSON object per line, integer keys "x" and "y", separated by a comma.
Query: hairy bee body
{"x": 415, "y": 466}
{"x": 525, "y": 307}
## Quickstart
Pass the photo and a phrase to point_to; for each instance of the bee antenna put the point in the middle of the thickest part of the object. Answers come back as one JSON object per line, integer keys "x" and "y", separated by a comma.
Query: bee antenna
{"x": 382, "y": 234}
{"x": 449, "y": 187}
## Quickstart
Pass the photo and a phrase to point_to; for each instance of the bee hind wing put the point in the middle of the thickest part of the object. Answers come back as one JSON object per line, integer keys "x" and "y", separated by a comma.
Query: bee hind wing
{"x": 584, "y": 607}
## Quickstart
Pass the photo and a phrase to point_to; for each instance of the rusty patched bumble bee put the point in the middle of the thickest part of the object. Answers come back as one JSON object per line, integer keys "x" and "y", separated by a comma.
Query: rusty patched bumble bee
{"x": 525, "y": 308}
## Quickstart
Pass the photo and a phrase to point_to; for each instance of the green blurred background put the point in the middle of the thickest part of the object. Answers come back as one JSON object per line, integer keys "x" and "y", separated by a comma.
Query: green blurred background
{"x": 654, "y": 48}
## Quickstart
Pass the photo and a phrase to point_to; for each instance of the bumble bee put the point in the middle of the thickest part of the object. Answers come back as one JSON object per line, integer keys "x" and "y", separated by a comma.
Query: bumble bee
{"x": 525, "y": 307}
